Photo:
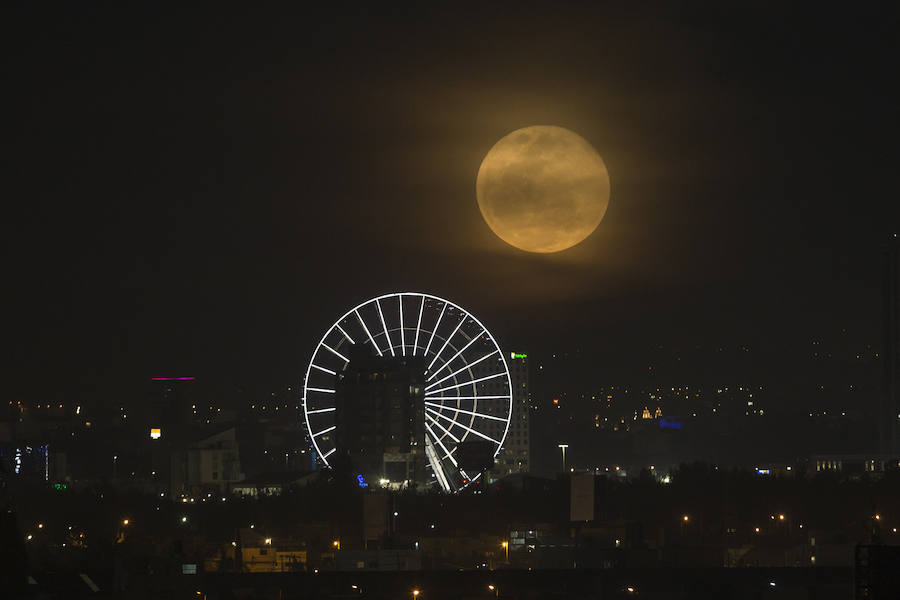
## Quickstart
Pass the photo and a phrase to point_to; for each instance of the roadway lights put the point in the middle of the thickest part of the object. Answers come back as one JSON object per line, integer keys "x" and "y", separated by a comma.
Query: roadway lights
{"x": 125, "y": 522}
{"x": 268, "y": 541}
{"x": 685, "y": 518}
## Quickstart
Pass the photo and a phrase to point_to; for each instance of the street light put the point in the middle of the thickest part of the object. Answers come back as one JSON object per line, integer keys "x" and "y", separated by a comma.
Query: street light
{"x": 494, "y": 589}
{"x": 416, "y": 593}
{"x": 563, "y": 447}
{"x": 505, "y": 545}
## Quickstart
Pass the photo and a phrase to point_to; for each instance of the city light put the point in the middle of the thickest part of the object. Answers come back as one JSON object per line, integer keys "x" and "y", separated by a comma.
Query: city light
{"x": 268, "y": 541}
{"x": 125, "y": 522}
{"x": 685, "y": 518}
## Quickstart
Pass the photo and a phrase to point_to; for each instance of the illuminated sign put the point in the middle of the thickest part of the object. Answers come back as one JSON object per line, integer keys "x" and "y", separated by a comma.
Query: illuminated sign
{"x": 669, "y": 423}
{"x": 155, "y": 433}
{"x": 517, "y": 355}
{"x": 361, "y": 481}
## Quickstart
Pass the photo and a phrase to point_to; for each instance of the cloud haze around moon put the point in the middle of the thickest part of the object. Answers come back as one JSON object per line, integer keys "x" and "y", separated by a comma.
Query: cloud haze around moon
{"x": 542, "y": 189}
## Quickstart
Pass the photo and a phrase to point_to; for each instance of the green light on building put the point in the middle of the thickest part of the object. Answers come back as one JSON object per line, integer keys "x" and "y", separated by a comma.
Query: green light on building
{"x": 517, "y": 355}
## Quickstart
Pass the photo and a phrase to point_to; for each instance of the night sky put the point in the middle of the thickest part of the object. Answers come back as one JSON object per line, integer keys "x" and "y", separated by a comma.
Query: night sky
{"x": 192, "y": 192}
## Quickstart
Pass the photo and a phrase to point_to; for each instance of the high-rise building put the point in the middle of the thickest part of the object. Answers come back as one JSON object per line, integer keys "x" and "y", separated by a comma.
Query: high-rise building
{"x": 890, "y": 410}
{"x": 380, "y": 418}
{"x": 515, "y": 456}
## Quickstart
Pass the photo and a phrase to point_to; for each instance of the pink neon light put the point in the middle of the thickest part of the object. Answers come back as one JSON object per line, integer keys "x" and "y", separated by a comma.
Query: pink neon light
{"x": 172, "y": 378}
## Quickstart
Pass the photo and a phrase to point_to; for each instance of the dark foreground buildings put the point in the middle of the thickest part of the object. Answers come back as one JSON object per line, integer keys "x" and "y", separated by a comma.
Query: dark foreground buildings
{"x": 380, "y": 418}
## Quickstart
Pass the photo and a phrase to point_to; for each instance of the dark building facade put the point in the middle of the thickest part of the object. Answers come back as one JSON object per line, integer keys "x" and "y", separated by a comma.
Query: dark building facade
{"x": 890, "y": 410}
{"x": 380, "y": 418}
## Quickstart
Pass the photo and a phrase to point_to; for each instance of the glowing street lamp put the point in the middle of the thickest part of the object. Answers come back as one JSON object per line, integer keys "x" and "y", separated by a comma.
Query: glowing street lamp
{"x": 505, "y": 546}
{"x": 563, "y": 447}
{"x": 416, "y": 593}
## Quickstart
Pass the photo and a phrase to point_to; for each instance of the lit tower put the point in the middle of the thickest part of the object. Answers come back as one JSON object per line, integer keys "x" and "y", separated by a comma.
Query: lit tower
{"x": 514, "y": 458}
{"x": 890, "y": 410}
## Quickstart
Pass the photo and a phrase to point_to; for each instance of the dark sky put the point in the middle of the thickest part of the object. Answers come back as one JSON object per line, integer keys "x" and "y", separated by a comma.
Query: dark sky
{"x": 192, "y": 192}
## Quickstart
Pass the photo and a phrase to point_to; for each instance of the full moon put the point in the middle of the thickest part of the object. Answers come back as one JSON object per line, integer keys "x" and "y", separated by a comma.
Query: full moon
{"x": 542, "y": 189}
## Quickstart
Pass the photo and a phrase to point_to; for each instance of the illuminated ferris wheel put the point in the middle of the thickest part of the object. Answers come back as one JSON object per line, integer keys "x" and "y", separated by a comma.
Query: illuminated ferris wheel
{"x": 466, "y": 391}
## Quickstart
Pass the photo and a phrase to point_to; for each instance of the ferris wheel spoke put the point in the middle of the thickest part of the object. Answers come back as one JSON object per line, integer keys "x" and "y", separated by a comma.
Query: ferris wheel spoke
{"x": 467, "y": 412}
{"x": 433, "y": 331}
{"x": 329, "y": 453}
{"x": 468, "y": 397}
{"x": 447, "y": 431}
{"x": 320, "y": 410}
{"x": 466, "y": 427}
{"x": 459, "y": 385}
{"x": 460, "y": 370}
{"x": 335, "y": 352}
{"x": 324, "y": 390}
{"x": 383, "y": 324}
{"x": 463, "y": 349}
{"x": 402, "y": 336}
{"x": 418, "y": 326}
{"x": 324, "y": 431}
{"x": 341, "y": 329}
{"x": 436, "y": 356}
{"x": 329, "y": 371}
{"x": 371, "y": 339}
{"x": 437, "y": 440}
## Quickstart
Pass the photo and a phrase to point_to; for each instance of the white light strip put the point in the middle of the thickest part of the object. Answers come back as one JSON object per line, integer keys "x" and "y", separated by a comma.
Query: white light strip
{"x": 320, "y": 410}
{"x": 335, "y": 352}
{"x": 468, "y": 397}
{"x": 441, "y": 444}
{"x": 434, "y": 331}
{"x": 463, "y": 349}
{"x": 460, "y": 370}
{"x": 329, "y": 371}
{"x": 371, "y": 339}
{"x": 447, "y": 431}
{"x": 345, "y": 333}
{"x": 329, "y": 453}
{"x": 459, "y": 385}
{"x": 469, "y": 429}
{"x": 383, "y": 324}
{"x": 332, "y": 428}
{"x": 468, "y": 412}
{"x": 327, "y": 391}
{"x": 465, "y": 316}
{"x": 402, "y": 337}
{"x": 418, "y": 326}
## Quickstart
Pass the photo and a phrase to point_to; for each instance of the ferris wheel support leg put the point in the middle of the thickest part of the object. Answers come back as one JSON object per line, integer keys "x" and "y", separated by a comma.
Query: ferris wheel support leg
{"x": 436, "y": 466}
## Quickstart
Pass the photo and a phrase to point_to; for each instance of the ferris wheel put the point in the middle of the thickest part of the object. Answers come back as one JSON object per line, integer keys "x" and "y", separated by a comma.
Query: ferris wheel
{"x": 466, "y": 393}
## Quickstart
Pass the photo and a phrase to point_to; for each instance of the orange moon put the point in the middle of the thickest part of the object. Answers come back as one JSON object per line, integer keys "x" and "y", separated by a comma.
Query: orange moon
{"x": 542, "y": 189}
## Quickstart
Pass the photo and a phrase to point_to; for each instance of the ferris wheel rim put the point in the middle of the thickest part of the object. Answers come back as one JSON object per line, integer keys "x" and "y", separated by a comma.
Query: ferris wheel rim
{"x": 403, "y": 345}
